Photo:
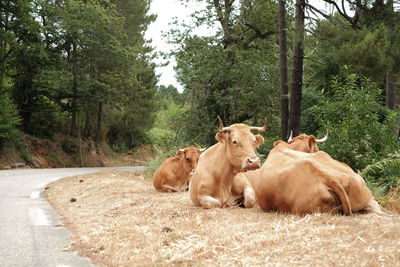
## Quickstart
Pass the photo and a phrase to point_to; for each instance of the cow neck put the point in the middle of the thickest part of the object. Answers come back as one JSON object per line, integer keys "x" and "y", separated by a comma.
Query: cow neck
{"x": 228, "y": 171}
{"x": 181, "y": 170}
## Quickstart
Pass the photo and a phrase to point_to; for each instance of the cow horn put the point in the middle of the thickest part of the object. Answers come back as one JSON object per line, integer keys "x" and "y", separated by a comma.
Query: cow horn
{"x": 320, "y": 141}
{"x": 201, "y": 150}
{"x": 259, "y": 129}
{"x": 290, "y": 139}
{"x": 221, "y": 127}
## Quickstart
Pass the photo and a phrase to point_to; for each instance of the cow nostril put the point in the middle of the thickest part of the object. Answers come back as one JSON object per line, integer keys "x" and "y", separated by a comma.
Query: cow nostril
{"x": 253, "y": 160}
{"x": 251, "y": 163}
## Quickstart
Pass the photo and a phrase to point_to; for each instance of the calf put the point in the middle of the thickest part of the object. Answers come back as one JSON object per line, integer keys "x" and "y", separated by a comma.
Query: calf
{"x": 173, "y": 174}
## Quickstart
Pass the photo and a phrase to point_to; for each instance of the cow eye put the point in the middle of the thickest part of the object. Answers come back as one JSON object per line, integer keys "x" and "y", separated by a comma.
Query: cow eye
{"x": 234, "y": 142}
{"x": 188, "y": 160}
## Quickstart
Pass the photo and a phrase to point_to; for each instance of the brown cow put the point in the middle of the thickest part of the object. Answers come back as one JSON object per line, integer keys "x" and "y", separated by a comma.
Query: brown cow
{"x": 304, "y": 143}
{"x": 213, "y": 183}
{"x": 298, "y": 178}
{"x": 173, "y": 173}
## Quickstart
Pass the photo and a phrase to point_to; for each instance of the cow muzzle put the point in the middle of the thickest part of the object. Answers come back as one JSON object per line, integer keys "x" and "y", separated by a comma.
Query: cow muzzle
{"x": 251, "y": 163}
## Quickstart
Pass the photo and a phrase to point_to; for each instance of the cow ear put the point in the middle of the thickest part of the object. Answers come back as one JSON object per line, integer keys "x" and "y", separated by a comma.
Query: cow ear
{"x": 180, "y": 153}
{"x": 259, "y": 140}
{"x": 277, "y": 142}
{"x": 312, "y": 144}
{"x": 220, "y": 136}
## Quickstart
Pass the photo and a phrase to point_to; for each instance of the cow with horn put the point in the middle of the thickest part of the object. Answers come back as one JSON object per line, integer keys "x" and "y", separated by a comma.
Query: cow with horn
{"x": 298, "y": 178}
{"x": 213, "y": 183}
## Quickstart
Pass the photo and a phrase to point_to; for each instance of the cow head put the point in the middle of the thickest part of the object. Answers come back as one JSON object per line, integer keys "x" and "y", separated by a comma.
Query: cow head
{"x": 240, "y": 144}
{"x": 189, "y": 157}
{"x": 305, "y": 143}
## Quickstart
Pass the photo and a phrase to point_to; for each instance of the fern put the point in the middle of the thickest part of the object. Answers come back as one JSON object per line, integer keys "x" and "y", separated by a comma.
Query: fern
{"x": 384, "y": 174}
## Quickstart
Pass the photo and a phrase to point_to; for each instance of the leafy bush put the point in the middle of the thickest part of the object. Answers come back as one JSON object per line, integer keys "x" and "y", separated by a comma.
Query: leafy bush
{"x": 167, "y": 126}
{"x": 25, "y": 155}
{"x": 161, "y": 137}
{"x": 46, "y": 118}
{"x": 361, "y": 130}
{"x": 125, "y": 130}
{"x": 9, "y": 119}
{"x": 69, "y": 146}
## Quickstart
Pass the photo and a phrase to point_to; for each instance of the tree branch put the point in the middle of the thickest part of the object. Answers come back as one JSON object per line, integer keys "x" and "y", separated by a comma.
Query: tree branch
{"x": 257, "y": 34}
{"x": 353, "y": 20}
{"x": 314, "y": 60}
{"x": 314, "y": 9}
{"x": 6, "y": 55}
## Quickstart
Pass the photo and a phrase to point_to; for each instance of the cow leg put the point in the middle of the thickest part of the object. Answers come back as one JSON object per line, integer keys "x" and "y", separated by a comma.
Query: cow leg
{"x": 241, "y": 189}
{"x": 373, "y": 206}
{"x": 249, "y": 197}
{"x": 209, "y": 202}
{"x": 169, "y": 188}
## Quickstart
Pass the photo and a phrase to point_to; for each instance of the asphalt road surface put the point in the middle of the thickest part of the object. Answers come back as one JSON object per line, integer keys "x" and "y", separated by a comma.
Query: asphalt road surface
{"x": 30, "y": 231}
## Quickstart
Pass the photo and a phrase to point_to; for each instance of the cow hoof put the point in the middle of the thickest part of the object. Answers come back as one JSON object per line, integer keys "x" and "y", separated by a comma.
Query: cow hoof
{"x": 209, "y": 202}
{"x": 249, "y": 203}
{"x": 249, "y": 198}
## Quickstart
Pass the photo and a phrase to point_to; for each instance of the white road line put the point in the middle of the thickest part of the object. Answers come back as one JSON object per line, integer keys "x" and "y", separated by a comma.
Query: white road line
{"x": 38, "y": 217}
{"x": 35, "y": 194}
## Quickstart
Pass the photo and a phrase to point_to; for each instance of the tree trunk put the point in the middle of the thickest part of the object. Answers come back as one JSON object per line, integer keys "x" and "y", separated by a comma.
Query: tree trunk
{"x": 391, "y": 85}
{"x": 80, "y": 143}
{"x": 297, "y": 76}
{"x": 391, "y": 75}
{"x": 3, "y": 48}
{"x": 98, "y": 138}
{"x": 2, "y": 67}
{"x": 87, "y": 132}
{"x": 72, "y": 126}
{"x": 74, "y": 105}
{"x": 283, "y": 69}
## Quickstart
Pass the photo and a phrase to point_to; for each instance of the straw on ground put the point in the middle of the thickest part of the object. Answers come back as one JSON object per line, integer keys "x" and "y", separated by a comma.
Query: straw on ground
{"x": 118, "y": 219}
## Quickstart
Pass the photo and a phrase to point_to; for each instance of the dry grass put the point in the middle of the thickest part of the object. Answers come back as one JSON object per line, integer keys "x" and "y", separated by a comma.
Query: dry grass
{"x": 118, "y": 219}
{"x": 392, "y": 200}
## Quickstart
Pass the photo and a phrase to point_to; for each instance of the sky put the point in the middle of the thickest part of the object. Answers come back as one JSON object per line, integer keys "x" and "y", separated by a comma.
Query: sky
{"x": 166, "y": 10}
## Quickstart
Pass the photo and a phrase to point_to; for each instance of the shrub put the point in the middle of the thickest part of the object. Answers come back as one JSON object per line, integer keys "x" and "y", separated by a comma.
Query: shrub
{"x": 362, "y": 131}
{"x": 384, "y": 174}
{"x": 9, "y": 119}
{"x": 161, "y": 137}
{"x": 25, "y": 156}
{"x": 69, "y": 146}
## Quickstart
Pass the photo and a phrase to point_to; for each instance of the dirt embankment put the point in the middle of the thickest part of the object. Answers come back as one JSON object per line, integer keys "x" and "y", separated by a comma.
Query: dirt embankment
{"x": 118, "y": 219}
{"x": 65, "y": 151}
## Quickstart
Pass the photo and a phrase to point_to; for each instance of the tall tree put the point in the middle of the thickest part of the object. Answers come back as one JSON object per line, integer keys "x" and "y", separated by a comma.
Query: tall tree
{"x": 232, "y": 73}
{"x": 373, "y": 14}
{"x": 283, "y": 75}
{"x": 297, "y": 76}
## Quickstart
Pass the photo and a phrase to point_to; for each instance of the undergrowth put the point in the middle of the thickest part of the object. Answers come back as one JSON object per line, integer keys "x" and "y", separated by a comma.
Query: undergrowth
{"x": 383, "y": 178}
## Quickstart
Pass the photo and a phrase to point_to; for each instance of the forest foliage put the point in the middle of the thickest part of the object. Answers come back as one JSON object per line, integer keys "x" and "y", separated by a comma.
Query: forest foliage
{"x": 84, "y": 68}
{"x": 81, "y": 68}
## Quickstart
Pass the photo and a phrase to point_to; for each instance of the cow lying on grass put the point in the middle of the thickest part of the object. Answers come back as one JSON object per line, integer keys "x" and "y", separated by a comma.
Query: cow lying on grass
{"x": 213, "y": 183}
{"x": 173, "y": 173}
{"x": 298, "y": 178}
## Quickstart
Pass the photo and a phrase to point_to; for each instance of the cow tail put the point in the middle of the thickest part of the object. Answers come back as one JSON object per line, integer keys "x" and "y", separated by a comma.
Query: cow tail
{"x": 339, "y": 191}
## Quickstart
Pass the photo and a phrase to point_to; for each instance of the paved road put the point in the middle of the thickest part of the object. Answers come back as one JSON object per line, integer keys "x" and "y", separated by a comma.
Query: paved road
{"x": 30, "y": 234}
